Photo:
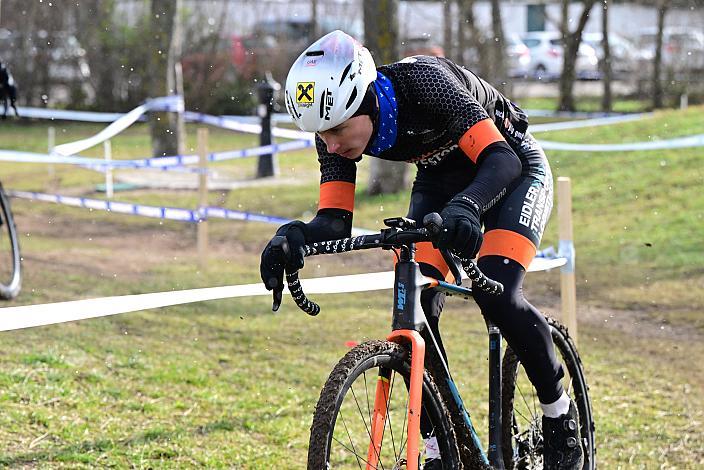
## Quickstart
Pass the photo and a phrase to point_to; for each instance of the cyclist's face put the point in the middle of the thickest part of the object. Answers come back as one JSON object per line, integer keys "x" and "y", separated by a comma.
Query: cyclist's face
{"x": 350, "y": 138}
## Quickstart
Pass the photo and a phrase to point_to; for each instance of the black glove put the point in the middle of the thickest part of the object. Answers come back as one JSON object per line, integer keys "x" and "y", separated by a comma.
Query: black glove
{"x": 274, "y": 260}
{"x": 461, "y": 229}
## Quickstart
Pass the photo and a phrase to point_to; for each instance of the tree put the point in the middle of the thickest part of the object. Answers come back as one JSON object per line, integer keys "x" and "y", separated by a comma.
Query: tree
{"x": 662, "y": 7}
{"x": 447, "y": 29}
{"x": 167, "y": 129}
{"x": 606, "y": 101}
{"x": 498, "y": 48}
{"x": 476, "y": 38}
{"x": 571, "y": 41}
{"x": 381, "y": 38}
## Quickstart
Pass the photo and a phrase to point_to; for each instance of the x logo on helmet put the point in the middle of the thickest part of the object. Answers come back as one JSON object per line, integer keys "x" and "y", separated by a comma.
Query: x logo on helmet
{"x": 306, "y": 92}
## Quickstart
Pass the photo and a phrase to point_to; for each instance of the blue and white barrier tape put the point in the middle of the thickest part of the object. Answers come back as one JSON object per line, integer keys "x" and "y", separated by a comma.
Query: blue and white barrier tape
{"x": 157, "y": 162}
{"x": 168, "y": 213}
{"x": 682, "y": 142}
{"x": 604, "y": 121}
{"x": 166, "y": 103}
{"x": 570, "y": 114}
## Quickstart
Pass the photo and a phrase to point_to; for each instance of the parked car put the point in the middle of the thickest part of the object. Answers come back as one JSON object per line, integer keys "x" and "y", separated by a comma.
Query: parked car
{"x": 547, "y": 56}
{"x": 66, "y": 57}
{"x": 274, "y": 44}
{"x": 624, "y": 54}
{"x": 683, "y": 48}
{"x": 518, "y": 57}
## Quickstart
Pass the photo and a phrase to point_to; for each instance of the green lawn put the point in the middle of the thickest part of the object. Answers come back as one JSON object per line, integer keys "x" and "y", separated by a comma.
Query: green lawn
{"x": 230, "y": 384}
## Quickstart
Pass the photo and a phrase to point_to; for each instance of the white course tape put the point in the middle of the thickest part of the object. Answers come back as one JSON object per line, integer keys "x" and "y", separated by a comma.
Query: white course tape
{"x": 682, "y": 142}
{"x": 569, "y": 114}
{"x": 166, "y": 103}
{"x": 29, "y": 316}
{"x": 604, "y": 121}
{"x": 67, "y": 115}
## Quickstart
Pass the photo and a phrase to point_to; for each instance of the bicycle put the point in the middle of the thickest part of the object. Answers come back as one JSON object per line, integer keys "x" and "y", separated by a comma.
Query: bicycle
{"x": 10, "y": 270}
{"x": 411, "y": 353}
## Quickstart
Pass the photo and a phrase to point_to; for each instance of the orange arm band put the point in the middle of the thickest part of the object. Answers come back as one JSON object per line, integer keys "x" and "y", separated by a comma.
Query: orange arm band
{"x": 479, "y": 137}
{"x": 337, "y": 195}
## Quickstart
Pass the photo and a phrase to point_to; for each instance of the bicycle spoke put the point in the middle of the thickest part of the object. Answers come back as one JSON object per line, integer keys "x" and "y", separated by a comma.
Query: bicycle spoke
{"x": 403, "y": 429}
{"x": 366, "y": 392}
{"x": 523, "y": 397}
{"x": 354, "y": 451}
{"x": 365, "y": 424}
{"x": 388, "y": 416}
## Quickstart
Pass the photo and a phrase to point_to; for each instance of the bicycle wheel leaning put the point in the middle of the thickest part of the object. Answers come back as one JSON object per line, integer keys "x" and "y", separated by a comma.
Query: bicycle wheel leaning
{"x": 341, "y": 430}
{"x": 10, "y": 277}
{"x": 521, "y": 413}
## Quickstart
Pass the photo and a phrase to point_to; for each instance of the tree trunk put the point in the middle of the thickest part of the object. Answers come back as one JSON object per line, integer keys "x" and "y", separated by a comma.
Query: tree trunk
{"x": 657, "y": 63}
{"x": 482, "y": 62}
{"x": 381, "y": 38}
{"x": 314, "y": 29}
{"x": 571, "y": 42}
{"x": 606, "y": 99}
{"x": 167, "y": 129}
{"x": 498, "y": 48}
{"x": 447, "y": 30}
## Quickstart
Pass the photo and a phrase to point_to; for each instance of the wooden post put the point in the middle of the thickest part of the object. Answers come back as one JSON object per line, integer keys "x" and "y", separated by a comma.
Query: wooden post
{"x": 202, "y": 196}
{"x": 107, "y": 147}
{"x": 568, "y": 290}
{"x": 51, "y": 169}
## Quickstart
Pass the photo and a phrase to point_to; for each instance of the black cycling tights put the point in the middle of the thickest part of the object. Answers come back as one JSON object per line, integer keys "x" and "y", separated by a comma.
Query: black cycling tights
{"x": 523, "y": 326}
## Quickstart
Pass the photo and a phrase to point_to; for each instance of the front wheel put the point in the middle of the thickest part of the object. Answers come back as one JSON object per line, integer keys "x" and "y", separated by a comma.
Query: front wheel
{"x": 521, "y": 412}
{"x": 341, "y": 431}
{"x": 10, "y": 278}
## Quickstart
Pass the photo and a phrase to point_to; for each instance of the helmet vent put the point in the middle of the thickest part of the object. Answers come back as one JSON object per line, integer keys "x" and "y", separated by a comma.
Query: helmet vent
{"x": 314, "y": 53}
{"x": 345, "y": 72}
{"x": 322, "y": 103}
{"x": 353, "y": 95}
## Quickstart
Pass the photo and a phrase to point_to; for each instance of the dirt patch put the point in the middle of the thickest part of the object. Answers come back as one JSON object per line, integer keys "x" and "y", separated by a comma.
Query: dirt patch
{"x": 113, "y": 248}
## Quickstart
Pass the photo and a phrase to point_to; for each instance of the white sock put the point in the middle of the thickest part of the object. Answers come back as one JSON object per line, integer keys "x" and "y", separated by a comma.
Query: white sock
{"x": 432, "y": 450}
{"x": 557, "y": 408}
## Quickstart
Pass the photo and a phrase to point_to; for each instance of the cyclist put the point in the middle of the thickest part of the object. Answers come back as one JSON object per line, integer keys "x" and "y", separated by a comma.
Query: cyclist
{"x": 476, "y": 165}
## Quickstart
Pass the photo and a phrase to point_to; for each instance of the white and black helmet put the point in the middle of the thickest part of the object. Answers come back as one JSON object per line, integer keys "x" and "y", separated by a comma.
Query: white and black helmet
{"x": 328, "y": 81}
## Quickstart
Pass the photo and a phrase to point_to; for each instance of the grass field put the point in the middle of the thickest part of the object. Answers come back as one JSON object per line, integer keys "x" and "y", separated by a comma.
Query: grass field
{"x": 230, "y": 384}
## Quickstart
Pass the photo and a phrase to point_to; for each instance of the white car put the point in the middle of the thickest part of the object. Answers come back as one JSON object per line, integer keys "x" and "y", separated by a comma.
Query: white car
{"x": 683, "y": 48}
{"x": 547, "y": 56}
{"x": 624, "y": 54}
{"x": 518, "y": 57}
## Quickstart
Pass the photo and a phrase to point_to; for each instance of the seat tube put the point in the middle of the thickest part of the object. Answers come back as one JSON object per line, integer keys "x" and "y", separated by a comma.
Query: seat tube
{"x": 416, "y": 391}
{"x": 495, "y": 445}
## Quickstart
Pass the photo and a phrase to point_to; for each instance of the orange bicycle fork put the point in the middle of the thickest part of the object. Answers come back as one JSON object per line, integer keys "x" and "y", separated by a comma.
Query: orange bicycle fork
{"x": 414, "y": 401}
{"x": 408, "y": 322}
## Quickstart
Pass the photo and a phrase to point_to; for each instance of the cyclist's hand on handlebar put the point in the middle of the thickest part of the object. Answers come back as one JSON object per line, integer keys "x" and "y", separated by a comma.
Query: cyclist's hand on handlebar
{"x": 279, "y": 256}
{"x": 461, "y": 229}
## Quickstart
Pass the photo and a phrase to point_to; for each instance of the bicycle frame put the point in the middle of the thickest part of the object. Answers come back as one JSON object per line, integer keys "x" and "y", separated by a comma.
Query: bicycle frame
{"x": 407, "y": 324}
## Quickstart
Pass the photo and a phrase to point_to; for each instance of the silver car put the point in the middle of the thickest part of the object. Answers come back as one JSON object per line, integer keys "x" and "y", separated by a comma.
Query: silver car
{"x": 547, "y": 56}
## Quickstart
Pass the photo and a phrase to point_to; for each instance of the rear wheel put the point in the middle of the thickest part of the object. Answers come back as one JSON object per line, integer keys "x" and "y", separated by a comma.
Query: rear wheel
{"x": 341, "y": 430}
{"x": 521, "y": 412}
{"x": 10, "y": 279}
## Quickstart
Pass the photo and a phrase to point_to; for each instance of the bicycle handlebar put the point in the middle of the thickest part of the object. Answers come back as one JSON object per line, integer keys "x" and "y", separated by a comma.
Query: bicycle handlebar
{"x": 393, "y": 237}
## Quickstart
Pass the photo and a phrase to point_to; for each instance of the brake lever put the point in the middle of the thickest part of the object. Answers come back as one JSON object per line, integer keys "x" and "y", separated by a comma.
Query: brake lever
{"x": 279, "y": 243}
{"x": 433, "y": 223}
